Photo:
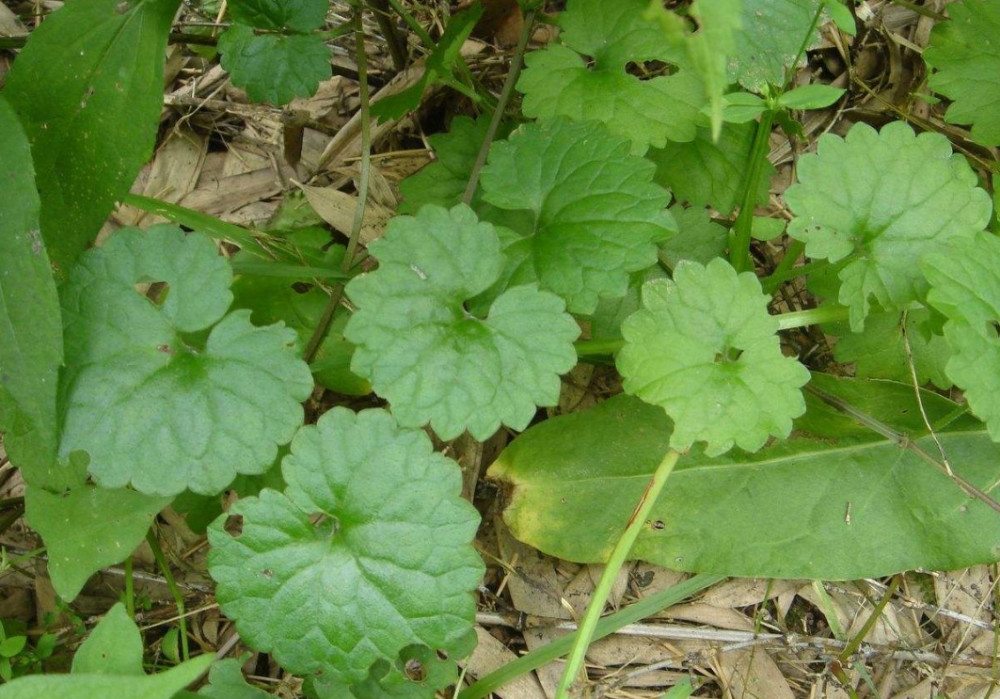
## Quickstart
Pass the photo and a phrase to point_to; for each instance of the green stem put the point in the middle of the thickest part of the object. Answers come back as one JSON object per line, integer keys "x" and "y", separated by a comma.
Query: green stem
{"x": 175, "y": 591}
{"x": 854, "y": 643}
{"x": 784, "y": 269}
{"x": 739, "y": 240}
{"x": 323, "y": 326}
{"x": 498, "y": 113}
{"x": 129, "y": 588}
{"x": 812, "y": 316}
{"x": 237, "y": 235}
{"x": 636, "y": 523}
{"x": 605, "y": 627}
{"x": 594, "y": 348}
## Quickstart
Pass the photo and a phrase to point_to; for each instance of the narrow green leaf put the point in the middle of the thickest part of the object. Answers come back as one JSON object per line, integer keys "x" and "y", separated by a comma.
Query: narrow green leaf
{"x": 114, "y": 647}
{"x": 274, "y": 68}
{"x": 811, "y": 97}
{"x": 30, "y": 326}
{"x": 851, "y": 509}
{"x": 741, "y": 107}
{"x": 433, "y": 360}
{"x": 79, "y": 686}
{"x": 89, "y": 90}
{"x": 392, "y": 553}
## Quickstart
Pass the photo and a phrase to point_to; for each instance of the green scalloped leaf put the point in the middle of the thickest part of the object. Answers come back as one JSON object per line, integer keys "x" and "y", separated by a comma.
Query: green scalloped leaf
{"x": 433, "y": 360}
{"x": 172, "y": 395}
{"x": 274, "y": 68}
{"x": 296, "y": 15}
{"x": 557, "y": 80}
{"x": 883, "y": 201}
{"x": 965, "y": 287}
{"x": 965, "y": 55}
{"x": 374, "y": 518}
{"x": 597, "y": 216}
{"x": 704, "y": 348}
{"x": 706, "y": 172}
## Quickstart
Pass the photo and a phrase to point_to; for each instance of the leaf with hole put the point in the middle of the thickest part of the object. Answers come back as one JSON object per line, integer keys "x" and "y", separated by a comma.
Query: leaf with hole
{"x": 201, "y": 396}
{"x": 883, "y": 201}
{"x": 704, "y": 348}
{"x": 965, "y": 55}
{"x": 597, "y": 216}
{"x": 89, "y": 90}
{"x": 559, "y": 81}
{"x": 433, "y": 360}
{"x": 274, "y": 68}
{"x": 373, "y": 517}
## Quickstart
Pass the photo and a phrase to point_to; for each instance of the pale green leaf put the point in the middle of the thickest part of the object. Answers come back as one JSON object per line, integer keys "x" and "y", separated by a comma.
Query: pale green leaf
{"x": 80, "y": 686}
{"x": 296, "y": 15}
{"x": 558, "y": 82}
{"x": 704, "y": 172}
{"x": 597, "y": 215}
{"x": 606, "y": 321}
{"x": 965, "y": 55}
{"x": 30, "y": 326}
{"x": 81, "y": 537}
{"x": 391, "y": 552}
{"x": 882, "y": 201}
{"x": 741, "y": 107}
{"x": 433, "y": 360}
{"x": 880, "y": 351}
{"x": 89, "y": 90}
{"x": 172, "y": 395}
{"x": 716, "y": 514}
{"x": 274, "y": 68}
{"x": 965, "y": 287}
{"x": 769, "y": 40}
{"x": 705, "y": 349}
{"x": 114, "y": 647}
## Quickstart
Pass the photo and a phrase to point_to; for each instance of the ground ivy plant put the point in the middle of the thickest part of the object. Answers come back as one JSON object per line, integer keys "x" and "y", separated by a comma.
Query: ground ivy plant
{"x": 604, "y": 211}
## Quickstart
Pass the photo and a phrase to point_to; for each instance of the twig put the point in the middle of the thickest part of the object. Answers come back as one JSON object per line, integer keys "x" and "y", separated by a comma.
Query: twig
{"x": 323, "y": 326}
{"x": 498, "y": 113}
{"x": 903, "y": 442}
{"x": 395, "y": 42}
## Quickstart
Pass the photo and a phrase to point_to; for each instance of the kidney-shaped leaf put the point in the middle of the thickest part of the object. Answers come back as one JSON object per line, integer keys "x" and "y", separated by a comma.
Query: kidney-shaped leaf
{"x": 274, "y": 68}
{"x": 171, "y": 395}
{"x": 883, "y": 201}
{"x": 433, "y": 360}
{"x": 367, "y": 552}
{"x": 597, "y": 214}
{"x": 703, "y": 347}
{"x": 801, "y": 509}
{"x": 297, "y": 15}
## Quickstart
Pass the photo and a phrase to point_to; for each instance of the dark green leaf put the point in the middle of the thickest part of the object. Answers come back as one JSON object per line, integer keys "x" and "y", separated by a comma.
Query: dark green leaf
{"x": 274, "y": 68}
{"x": 296, "y": 15}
